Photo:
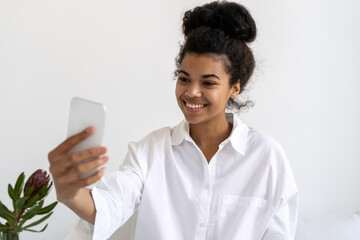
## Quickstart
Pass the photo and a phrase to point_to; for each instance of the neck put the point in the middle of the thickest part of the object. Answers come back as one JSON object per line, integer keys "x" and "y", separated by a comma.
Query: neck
{"x": 210, "y": 134}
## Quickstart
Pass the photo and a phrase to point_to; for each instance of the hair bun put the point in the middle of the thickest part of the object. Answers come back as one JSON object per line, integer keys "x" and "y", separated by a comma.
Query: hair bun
{"x": 231, "y": 18}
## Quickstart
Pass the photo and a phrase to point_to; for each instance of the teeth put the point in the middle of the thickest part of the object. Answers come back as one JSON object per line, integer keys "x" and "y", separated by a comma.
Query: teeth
{"x": 189, "y": 105}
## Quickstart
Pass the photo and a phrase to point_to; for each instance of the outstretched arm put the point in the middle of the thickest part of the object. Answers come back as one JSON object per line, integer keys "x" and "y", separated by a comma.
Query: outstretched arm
{"x": 66, "y": 170}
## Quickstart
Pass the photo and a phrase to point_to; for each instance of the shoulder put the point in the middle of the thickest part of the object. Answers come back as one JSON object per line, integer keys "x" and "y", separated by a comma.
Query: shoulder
{"x": 266, "y": 149}
{"x": 157, "y": 135}
{"x": 262, "y": 141}
{"x": 156, "y": 138}
{"x": 273, "y": 157}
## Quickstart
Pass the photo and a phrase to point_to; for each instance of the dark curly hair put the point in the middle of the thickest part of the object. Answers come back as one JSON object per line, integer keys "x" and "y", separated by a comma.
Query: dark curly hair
{"x": 222, "y": 28}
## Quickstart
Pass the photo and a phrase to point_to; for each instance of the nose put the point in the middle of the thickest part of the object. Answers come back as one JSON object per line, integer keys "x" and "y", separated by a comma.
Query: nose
{"x": 193, "y": 90}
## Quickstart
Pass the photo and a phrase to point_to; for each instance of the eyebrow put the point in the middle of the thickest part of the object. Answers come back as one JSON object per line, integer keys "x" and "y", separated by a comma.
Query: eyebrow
{"x": 203, "y": 76}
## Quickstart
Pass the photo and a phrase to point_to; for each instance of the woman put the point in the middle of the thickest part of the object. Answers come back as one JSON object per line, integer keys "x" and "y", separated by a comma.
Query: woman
{"x": 209, "y": 177}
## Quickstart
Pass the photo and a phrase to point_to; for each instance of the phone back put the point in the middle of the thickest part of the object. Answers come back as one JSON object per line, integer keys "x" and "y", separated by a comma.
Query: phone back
{"x": 85, "y": 113}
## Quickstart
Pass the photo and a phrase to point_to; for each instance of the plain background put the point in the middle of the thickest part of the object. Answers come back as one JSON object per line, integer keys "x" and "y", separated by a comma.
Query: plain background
{"x": 121, "y": 53}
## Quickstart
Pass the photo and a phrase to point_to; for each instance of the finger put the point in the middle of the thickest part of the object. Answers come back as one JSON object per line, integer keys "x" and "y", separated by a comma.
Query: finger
{"x": 56, "y": 169}
{"x": 90, "y": 180}
{"x": 74, "y": 173}
{"x": 63, "y": 165}
{"x": 69, "y": 143}
{"x": 80, "y": 156}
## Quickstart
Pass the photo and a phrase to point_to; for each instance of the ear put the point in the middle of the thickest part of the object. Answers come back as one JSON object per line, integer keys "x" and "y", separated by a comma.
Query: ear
{"x": 235, "y": 90}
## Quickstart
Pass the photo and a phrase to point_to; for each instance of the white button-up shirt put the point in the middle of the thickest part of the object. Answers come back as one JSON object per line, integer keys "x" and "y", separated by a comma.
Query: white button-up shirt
{"x": 247, "y": 191}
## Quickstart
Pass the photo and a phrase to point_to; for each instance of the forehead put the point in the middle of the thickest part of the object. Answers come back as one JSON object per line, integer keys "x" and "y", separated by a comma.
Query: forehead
{"x": 204, "y": 63}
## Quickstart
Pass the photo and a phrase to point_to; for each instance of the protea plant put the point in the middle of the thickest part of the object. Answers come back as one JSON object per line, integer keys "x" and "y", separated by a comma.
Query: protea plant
{"x": 27, "y": 202}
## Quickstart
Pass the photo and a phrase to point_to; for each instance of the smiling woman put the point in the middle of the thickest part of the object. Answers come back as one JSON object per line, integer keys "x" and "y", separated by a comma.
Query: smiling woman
{"x": 203, "y": 88}
{"x": 209, "y": 177}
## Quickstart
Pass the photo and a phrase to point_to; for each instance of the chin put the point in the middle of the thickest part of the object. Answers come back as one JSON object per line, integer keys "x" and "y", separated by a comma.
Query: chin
{"x": 194, "y": 119}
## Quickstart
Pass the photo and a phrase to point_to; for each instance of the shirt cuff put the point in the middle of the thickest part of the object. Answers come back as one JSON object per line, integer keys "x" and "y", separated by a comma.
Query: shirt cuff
{"x": 102, "y": 217}
{"x": 81, "y": 231}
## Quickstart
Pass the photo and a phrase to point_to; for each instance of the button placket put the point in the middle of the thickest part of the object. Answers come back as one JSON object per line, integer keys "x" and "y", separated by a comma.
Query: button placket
{"x": 205, "y": 198}
{"x": 204, "y": 205}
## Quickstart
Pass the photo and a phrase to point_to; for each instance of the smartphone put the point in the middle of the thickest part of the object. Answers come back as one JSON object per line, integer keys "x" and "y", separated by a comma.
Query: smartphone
{"x": 85, "y": 113}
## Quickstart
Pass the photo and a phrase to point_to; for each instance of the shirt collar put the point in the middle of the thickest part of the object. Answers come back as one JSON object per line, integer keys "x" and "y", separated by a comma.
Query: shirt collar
{"x": 239, "y": 133}
{"x": 238, "y": 136}
{"x": 180, "y": 133}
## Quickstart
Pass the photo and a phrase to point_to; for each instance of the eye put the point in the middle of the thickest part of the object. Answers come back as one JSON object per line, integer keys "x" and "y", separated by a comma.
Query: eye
{"x": 183, "y": 79}
{"x": 207, "y": 83}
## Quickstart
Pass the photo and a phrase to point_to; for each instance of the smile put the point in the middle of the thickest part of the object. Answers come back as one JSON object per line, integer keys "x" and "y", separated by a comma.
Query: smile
{"x": 194, "y": 106}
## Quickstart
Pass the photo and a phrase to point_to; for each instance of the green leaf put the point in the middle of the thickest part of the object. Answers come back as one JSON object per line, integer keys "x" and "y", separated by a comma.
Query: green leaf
{"x": 19, "y": 203}
{"x": 29, "y": 192}
{"x": 19, "y": 184}
{"x": 17, "y": 228}
{"x": 12, "y": 195}
{"x": 6, "y": 214}
{"x": 4, "y": 228}
{"x": 38, "y": 221}
{"x": 44, "y": 190}
{"x": 47, "y": 208}
{"x": 27, "y": 180}
{"x": 32, "y": 201}
{"x": 31, "y": 212}
{"x": 1, "y": 224}
{"x": 30, "y": 230}
{"x": 11, "y": 192}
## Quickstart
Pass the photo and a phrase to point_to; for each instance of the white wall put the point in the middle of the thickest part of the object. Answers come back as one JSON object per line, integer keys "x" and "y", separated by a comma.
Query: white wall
{"x": 122, "y": 54}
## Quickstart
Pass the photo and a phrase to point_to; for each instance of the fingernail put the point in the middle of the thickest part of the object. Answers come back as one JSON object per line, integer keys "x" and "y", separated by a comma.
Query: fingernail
{"x": 104, "y": 159}
{"x": 102, "y": 150}
{"x": 88, "y": 130}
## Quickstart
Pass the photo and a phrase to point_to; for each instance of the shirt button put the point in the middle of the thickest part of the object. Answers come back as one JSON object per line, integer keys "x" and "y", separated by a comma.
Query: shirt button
{"x": 201, "y": 224}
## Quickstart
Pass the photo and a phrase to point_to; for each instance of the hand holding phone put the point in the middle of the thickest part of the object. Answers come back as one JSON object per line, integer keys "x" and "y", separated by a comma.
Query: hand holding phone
{"x": 69, "y": 171}
{"x": 83, "y": 114}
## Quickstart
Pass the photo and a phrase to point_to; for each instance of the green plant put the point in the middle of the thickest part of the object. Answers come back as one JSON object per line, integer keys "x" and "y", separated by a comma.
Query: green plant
{"x": 27, "y": 202}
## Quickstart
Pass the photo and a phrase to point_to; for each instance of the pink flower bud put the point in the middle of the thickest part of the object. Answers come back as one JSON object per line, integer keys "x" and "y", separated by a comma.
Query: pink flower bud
{"x": 38, "y": 179}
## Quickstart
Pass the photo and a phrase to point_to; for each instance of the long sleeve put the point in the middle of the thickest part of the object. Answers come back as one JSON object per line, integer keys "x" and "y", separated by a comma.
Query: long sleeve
{"x": 283, "y": 223}
{"x": 117, "y": 196}
{"x": 284, "y": 199}
{"x": 82, "y": 230}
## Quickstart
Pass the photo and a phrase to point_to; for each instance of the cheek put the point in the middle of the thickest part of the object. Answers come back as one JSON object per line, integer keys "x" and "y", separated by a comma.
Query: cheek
{"x": 218, "y": 96}
{"x": 178, "y": 90}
